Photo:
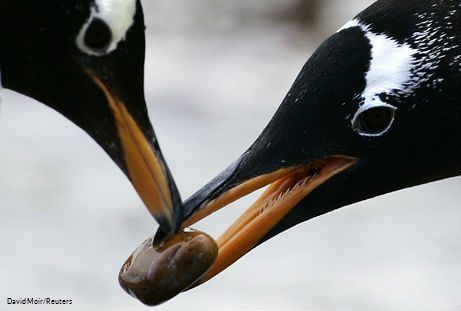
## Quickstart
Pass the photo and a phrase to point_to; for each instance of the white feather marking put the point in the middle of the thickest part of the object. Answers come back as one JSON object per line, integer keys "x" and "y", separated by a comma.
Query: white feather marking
{"x": 349, "y": 24}
{"x": 117, "y": 14}
{"x": 390, "y": 70}
{"x": 390, "y": 65}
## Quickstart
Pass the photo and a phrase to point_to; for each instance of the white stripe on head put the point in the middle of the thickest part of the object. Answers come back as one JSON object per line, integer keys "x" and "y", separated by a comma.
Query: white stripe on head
{"x": 390, "y": 70}
{"x": 391, "y": 64}
{"x": 117, "y": 14}
{"x": 349, "y": 24}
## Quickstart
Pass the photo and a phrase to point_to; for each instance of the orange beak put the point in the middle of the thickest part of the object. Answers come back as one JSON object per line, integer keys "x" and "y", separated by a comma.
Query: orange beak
{"x": 287, "y": 187}
{"x": 146, "y": 169}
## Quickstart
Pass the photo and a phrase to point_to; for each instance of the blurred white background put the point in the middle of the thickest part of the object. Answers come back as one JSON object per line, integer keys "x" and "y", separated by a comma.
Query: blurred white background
{"x": 215, "y": 73}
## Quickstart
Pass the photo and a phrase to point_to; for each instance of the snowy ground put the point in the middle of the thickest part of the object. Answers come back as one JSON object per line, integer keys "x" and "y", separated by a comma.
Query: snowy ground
{"x": 69, "y": 218}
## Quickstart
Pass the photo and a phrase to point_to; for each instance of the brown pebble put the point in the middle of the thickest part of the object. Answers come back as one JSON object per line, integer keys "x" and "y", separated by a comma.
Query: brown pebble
{"x": 156, "y": 273}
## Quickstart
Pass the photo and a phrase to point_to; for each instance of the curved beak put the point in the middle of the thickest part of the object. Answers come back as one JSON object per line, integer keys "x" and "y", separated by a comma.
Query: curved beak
{"x": 143, "y": 163}
{"x": 103, "y": 95}
{"x": 287, "y": 186}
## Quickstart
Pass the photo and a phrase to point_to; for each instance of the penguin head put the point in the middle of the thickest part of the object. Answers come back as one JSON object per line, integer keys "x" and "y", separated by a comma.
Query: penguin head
{"x": 375, "y": 109}
{"x": 85, "y": 59}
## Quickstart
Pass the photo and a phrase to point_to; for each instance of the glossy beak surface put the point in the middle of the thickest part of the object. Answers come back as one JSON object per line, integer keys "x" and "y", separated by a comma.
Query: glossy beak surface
{"x": 144, "y": 164}
{"x": 286, "y": 188}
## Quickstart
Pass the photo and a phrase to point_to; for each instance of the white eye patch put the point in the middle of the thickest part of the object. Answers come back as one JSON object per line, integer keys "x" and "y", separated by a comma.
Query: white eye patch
{"x": 117, "y": 16}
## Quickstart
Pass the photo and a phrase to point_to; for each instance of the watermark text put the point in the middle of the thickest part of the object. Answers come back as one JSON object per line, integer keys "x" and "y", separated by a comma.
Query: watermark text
{"x": 38, "y": 301}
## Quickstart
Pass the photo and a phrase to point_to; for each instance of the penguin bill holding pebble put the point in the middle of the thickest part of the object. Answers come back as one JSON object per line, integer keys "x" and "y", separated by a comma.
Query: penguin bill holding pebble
{"x": 376, "y": 108}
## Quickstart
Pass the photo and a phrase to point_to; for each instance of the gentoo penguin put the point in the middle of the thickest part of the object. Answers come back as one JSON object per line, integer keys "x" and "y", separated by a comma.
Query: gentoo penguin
{"x": 375, "y": 109}
{"x": 85, "y": 59}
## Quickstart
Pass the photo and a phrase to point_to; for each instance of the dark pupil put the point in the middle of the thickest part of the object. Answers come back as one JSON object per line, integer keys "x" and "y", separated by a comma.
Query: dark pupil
{"x": 377, "y": 119}
{"x": 98, "y": 35}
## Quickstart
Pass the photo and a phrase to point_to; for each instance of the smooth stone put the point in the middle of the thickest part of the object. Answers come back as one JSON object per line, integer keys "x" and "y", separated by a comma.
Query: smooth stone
{"x": 156, "y": 273}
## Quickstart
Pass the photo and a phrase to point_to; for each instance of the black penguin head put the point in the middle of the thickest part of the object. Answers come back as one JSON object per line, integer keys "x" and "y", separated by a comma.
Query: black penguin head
{"x": 375, "y": 109}
{"x": 85, "y": 59}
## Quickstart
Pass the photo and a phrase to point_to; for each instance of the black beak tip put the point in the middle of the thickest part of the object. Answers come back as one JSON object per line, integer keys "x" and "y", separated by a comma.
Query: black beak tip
{"x": 171, "y": 224}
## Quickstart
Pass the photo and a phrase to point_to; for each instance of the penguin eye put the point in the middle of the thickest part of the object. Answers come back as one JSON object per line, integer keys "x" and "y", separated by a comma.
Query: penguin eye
{"x": 108, "y": 25}
{"x": 373, "y": 120}
{"x": 98, "y": 35}
{"x": 95, "y": 37}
